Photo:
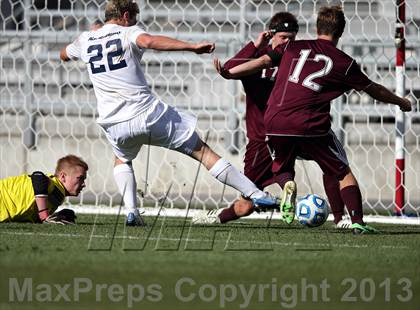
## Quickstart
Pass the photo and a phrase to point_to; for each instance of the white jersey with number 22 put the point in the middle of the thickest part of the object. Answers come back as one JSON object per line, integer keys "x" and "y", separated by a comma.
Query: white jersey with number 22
{"x": 113, "y": 62}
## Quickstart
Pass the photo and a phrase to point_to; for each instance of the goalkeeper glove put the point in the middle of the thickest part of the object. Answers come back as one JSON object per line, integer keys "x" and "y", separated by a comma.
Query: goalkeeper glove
{"x": 63, "y": 217}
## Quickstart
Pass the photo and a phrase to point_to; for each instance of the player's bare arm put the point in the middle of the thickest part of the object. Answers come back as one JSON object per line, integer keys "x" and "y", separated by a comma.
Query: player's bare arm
{"x": 263, "y": 39}
{"x": 63, "y": 54}
{"x": 163, "y": 43}
{"x": 244, "y": 69}
{"x": 41, "y": 203}
{"x": 381, "y": 93}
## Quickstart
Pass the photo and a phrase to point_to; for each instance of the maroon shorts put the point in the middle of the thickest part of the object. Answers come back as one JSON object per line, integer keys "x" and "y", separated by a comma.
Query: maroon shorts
{"x": 326, "y": 151}
{"x": 258, "y": 164}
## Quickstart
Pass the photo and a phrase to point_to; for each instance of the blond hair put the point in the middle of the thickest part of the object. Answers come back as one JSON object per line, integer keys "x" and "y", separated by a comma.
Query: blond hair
{"x": 115, "y": 9}
{"x": 68, "y": 162}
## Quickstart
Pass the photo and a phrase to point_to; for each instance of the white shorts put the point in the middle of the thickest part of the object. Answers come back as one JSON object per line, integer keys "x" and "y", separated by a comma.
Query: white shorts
{"x": 171, "y": 129}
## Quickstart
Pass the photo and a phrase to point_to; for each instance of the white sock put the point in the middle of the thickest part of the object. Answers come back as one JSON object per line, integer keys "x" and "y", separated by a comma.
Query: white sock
{"x": 229, "y": 175}
{"x": 126, "y": 182}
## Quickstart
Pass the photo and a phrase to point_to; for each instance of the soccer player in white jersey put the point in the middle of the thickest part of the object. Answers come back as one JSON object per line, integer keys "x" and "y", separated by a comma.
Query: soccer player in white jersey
{"x": 131, "y": 115}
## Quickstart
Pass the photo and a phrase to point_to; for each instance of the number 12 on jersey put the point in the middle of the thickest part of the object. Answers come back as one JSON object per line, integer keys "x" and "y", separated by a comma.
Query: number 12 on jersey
{"x": 121, "y": 63}
{"x": 308, "y": 81}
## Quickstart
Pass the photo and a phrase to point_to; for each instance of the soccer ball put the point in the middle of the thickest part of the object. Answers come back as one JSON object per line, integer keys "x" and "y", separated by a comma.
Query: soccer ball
{"x": 312, "y": 210}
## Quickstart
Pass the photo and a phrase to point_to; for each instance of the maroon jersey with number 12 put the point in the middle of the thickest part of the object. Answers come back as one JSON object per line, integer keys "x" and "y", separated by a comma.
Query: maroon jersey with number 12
{"x": 311, "y": 74}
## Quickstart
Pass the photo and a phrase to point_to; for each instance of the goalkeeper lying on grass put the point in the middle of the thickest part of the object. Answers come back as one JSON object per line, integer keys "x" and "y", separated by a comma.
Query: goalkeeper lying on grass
{"x": 34, "y": 198}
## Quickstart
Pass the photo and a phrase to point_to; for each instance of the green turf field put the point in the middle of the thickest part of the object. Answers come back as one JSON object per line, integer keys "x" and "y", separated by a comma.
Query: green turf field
{"x": 170, "y": 265}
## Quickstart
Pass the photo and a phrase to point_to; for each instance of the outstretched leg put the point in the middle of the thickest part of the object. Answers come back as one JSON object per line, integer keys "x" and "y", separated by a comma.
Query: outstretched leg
{"x": 223, "y": 171}
{"x": 240, "y": 207}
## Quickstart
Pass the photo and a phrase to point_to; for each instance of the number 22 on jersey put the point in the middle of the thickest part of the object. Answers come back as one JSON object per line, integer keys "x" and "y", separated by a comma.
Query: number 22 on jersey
{"x": 308, "y": 81}
{"x": 112, "y": 64}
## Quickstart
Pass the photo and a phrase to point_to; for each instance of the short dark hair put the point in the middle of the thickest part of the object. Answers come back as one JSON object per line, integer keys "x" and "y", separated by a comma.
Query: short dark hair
{"x": 116, "y": 8}
{"x": 331, "y": 21}
{"x": 68, "y": 162}
{"x": 284, "y": 22}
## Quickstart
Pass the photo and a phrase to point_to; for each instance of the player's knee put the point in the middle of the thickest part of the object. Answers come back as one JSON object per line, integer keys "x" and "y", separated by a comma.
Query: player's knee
{"x": 243, "y": 207}
{"x": 203, "y": 153}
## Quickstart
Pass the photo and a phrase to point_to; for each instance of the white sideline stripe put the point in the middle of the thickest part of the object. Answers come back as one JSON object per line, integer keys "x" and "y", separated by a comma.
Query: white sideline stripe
{"x": 174, "y": 212}
{"x": 322, "y": 246}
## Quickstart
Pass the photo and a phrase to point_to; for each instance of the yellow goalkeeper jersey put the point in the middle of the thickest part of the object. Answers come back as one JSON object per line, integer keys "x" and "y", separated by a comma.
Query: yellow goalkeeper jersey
{"x": 17, "y": 198}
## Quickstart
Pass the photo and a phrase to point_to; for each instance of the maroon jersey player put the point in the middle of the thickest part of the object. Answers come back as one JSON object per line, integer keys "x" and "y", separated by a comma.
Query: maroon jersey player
{"x": 258, "y": 86}
{"x": 283, "y": 27}
{"x": 297, "y": 120}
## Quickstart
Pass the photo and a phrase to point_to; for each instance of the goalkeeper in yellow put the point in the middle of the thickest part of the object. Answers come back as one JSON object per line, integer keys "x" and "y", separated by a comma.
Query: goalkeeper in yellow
{"x": 34, "y": 198}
